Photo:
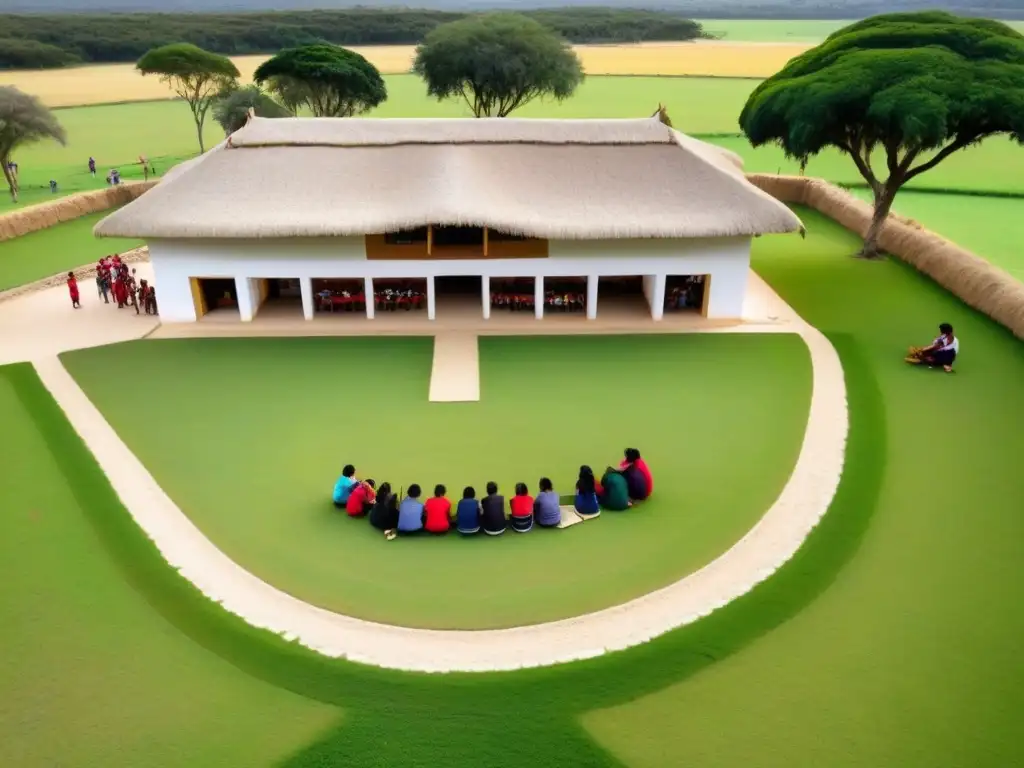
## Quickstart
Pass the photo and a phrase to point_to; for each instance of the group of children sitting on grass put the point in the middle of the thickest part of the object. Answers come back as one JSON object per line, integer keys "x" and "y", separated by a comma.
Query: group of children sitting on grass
{"x": 618, "y": 489}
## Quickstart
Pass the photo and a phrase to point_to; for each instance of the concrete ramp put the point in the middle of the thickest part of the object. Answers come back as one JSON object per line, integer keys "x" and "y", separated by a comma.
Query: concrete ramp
{"x": 455, "y": 376}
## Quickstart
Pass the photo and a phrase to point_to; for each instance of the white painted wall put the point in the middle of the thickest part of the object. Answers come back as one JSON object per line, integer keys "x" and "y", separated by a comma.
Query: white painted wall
{"x": 726, "y": 260}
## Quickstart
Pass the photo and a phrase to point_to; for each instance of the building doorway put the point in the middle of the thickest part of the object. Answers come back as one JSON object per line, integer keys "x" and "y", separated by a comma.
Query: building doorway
{"x": 622, "y": 297}
{"x": 686, "y": 293}
{"x": 278, "y": 297}
{"x": 215, "y": 298}
{"x": 458, "y": 296}
{"x": 339, "y": 297}
{"x": 565, "y": 295}
{"x": 513, "y": 294}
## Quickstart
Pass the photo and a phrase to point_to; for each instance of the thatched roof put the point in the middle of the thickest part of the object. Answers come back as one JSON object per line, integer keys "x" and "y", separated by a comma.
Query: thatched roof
{"x": 560, "y": 179}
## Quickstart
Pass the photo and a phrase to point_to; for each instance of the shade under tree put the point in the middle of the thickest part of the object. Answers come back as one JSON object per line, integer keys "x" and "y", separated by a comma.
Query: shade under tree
{"x": 24, "y": 119}
{"x": 329, "y": 80}
{"x": 197, "y": 76}
{"x": 497, "y": 63}
{"x": 898, "y": 93}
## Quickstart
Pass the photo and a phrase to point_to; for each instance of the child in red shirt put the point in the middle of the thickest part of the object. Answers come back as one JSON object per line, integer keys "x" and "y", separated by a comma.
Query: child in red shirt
{"x": 73, "y": 290}
{"x": 361, "y": 498}
{"x": 521, "y": 506}
{"x": 439, "y": 511}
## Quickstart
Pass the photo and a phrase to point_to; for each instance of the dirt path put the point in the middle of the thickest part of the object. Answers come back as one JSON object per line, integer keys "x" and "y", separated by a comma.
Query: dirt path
{"x": 455, "y": 375}
{"x": 769, "y": 544}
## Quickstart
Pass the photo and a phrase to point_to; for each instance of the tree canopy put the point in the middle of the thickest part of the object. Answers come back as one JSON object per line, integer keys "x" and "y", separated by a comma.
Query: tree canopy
{"x": 23, "y": 120}
{"x": 497, "y": 63}
{"x": 197, "y": 76}
{"x": 906, "y": 89}
{"x": 231, "y": 109}
{"x": 330, "y": 80}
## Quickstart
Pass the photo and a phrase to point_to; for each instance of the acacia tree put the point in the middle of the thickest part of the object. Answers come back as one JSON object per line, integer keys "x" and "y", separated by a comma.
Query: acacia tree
{"x": 902, "y": 90}
{"x": 497, "y": 63}
{"x": 231, "y": 108}
{"x": 23, "y": 120}
{"x": 330, "y": 80}
{"x": 197, "y": 76}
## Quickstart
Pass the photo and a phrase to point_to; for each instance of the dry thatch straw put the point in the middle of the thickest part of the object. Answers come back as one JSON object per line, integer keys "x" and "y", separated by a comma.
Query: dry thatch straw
{"x": 35, "y": 217}
{"x": 968, "y": 276}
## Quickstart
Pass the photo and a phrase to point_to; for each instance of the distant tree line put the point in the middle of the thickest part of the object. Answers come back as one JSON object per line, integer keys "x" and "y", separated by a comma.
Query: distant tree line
{"x": 45, "y": 41}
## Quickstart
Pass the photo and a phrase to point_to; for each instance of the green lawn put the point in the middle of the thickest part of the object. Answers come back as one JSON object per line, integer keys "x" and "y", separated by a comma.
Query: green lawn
{"x": 783, "y": 30}
{"x": 908, "y": 655}
{"x": 56, "y": 249}
{"x": 89, "y": 674}
{"x": 890, "y": 639}
{"x": 992, "y": 227}
{"x": 250, "y": 435}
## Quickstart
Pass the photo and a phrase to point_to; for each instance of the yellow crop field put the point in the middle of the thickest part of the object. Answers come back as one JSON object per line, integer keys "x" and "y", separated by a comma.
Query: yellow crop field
{"x": 106, "y": 83}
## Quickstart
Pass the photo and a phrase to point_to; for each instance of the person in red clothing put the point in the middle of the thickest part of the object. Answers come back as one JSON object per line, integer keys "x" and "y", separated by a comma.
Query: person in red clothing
{"x": 521, "y": 506}
{"x": 638, "y": 475}
{"x": 361, "y": 498}
{"x": 73, "y": 290}
{"x": 438, "y": 511}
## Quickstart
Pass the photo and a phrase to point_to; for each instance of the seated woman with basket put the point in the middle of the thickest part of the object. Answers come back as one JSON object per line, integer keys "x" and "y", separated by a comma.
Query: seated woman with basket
{"x": 942, "y": 351}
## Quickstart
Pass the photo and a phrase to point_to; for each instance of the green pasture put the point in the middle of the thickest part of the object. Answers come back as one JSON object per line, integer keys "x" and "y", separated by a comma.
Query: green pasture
{"x": 255, "y": 474}
{"x": 890, "y": 639}
{"x": 772, "y": 30}
{"x": 56, "y": 249}
{"x": 782, "y": 30}
{"x": 992, "y": 227}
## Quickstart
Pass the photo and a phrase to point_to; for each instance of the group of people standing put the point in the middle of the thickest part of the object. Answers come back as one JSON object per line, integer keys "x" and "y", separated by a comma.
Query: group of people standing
{"x": 115, "y": 280}
{"x": 618, "y": 489}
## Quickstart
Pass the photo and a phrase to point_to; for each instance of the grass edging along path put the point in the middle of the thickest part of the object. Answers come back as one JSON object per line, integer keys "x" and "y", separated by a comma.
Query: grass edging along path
{"x": 91, "y": 675}
{"x": 282, "y": 527}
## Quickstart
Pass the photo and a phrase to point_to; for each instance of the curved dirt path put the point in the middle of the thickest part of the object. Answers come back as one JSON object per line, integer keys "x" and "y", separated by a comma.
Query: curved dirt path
{"x": 769, "y": 544}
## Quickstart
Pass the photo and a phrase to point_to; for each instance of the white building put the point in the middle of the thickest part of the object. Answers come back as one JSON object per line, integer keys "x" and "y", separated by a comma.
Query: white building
{"x": 312, "y": 206}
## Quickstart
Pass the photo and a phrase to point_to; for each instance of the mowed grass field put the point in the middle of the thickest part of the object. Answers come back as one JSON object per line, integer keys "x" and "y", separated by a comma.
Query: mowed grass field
{"x": 783, "y": 30}
{"x": 254, "y": 470}
{"x": 110, "y": 83}
{"x": 890, "y": 639}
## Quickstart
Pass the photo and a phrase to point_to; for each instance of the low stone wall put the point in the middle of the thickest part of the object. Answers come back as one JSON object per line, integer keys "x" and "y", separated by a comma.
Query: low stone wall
{"x": 968, "y": 276}
{"x": 84, "y": 273}
{"x": 42, "y": 215}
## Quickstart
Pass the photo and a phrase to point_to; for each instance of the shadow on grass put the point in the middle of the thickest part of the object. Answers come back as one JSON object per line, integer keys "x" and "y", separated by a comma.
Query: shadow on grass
{"x": 478, "y": 719}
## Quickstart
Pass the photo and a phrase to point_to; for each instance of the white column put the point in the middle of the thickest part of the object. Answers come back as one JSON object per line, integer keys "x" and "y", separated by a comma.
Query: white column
{"x": 538, "y": 296}
{"x": 431, "y": 299}
{"x": 243, "y": 287}
{"x": 306, "y": 289}
{"x": 370, "y": 303}
{"x": 485, "y": 295}
{"x": 658, "y": 297}
{"x": 592, "y": 297}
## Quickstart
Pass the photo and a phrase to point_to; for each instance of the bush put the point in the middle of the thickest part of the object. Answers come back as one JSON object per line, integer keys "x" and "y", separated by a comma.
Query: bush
{"x": 31, "y": 54}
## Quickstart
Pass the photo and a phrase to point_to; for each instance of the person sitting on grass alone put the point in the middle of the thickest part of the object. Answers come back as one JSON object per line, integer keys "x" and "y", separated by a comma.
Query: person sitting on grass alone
{"x": 344, "y": 486}
{"x": 438, "y": 511}
{"x": 616, "y": 491}
{"x": 467, "y": 513}
{"x": 410, "y": 512}
{"x": 942, "y": 351}
{"x": 638, "y": 476}
{"x": 384, "y": 515}
{"x": 521, "y": 507}
{"x": 361, "y": 498}
{"x": 587, "y": 491}
{"x": 492, "y": 515}
{"x": 546, "y": 507}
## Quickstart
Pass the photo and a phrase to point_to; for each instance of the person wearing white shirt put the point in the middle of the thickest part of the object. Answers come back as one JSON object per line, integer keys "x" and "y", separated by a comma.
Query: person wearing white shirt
{"x": 941, "y": 352}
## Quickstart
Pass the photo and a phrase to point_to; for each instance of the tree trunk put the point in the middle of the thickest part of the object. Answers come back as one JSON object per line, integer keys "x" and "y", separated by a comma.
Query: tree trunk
{"x": 199, "y": 132}
{"x": 883, "y": 204}
{"x": 12, "y": 184}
